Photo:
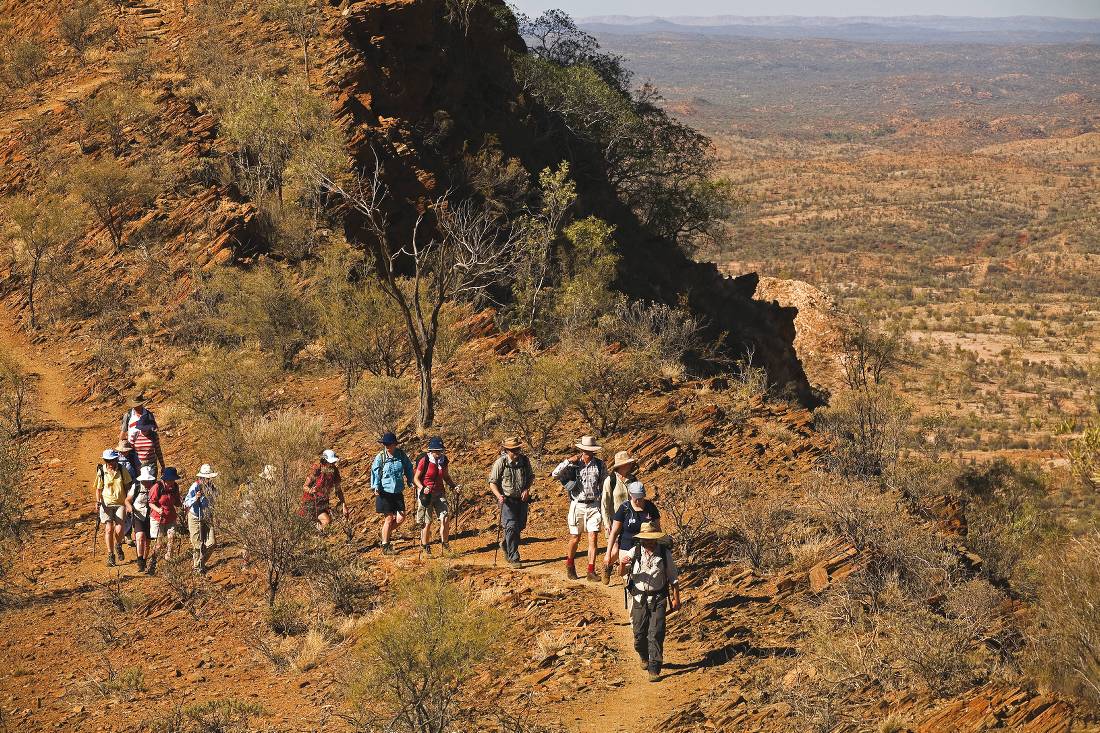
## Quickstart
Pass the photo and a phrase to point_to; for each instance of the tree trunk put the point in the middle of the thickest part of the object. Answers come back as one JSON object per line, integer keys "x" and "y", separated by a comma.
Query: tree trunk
{"x": 30, "y": 297}
{"x": 272, "y": 586}
{"x": 427, "y": 398}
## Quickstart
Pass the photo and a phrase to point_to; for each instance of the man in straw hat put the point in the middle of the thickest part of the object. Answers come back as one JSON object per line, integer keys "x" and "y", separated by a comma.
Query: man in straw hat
{"x": 614, "y": 496}
{"x": 651, "y": 576}
{"x": 583, "y": 476}
{"x": 510, "y": 480}
{"x": 200, "y": 516}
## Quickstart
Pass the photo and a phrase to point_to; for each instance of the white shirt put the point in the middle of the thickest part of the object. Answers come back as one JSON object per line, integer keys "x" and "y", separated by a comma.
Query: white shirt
{"x": 648, "y": 573}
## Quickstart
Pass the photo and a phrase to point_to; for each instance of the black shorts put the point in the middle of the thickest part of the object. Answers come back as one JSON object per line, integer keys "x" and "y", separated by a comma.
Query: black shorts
{"x": 140, "y": 522}
{"x": 386, "y": 503}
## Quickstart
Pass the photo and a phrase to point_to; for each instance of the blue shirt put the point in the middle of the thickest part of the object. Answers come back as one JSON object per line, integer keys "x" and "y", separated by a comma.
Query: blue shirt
{"x": 199, "y": 506}
{"x": 391, "y": 474}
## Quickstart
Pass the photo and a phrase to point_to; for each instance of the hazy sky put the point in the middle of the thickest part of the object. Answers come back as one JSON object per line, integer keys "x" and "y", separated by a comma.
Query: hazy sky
{"x": 582, "y": 8}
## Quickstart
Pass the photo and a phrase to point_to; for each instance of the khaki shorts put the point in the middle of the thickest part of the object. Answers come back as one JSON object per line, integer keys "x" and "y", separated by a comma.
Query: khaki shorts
{"x": 584, "y": 515}
{"x": 156, "y": 529}
{"x": 111, "y": 512}
{"x": 437, "y": 507}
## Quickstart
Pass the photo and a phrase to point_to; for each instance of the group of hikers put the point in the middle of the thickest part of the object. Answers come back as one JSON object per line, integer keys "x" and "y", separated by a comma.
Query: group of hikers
{"x": 139, "y": 500}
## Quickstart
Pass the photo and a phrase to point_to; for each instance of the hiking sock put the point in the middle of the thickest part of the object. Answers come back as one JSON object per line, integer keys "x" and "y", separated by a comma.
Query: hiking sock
{"x": 591, "y": 568}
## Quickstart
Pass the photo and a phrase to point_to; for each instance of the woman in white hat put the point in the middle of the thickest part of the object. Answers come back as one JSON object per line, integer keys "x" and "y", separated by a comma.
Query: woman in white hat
{"x": 651, "y": 578}
{"x": 583, "y": 476}
{"x": 614, "y": 494}
{"x": 323, "y": 482}
{"x": 200, "y": 516}
{"x": 137, "y": 505}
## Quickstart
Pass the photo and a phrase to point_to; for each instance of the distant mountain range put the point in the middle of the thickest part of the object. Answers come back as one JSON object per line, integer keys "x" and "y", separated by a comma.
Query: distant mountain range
{"x": 901, "y": 29}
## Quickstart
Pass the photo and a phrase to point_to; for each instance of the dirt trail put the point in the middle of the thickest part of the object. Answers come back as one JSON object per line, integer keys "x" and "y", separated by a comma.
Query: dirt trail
{"x": 639, "y": 704}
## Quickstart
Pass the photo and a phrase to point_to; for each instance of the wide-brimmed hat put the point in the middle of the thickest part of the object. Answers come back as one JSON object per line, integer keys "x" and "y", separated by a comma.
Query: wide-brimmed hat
{"x": 649, "y": 531}
{"x": 170, "y": 474}
{"x": 588, "y": 444}
{"x": 511, "y": 443}
{"x": 622, "y": 458}
{"x": 388, "y": 439}
{"x": 137, "y": 396}
{"x": 110, "y": 454}
{"x": 435, "y": 443}
{"x": 205, "y": 471}
{"x": 636, "y": 489}
{"x": 146, "y": 474}
{"x": 124, "y": 446}
{"x": 330, "y": 457}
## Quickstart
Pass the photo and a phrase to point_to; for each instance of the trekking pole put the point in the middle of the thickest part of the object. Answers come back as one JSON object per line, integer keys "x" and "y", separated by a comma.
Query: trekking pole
{"x": 500, "y": 517}
{"x": 95, "y": 532}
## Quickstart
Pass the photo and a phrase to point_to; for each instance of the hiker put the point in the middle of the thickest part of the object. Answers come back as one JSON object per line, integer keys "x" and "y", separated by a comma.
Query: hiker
{"x": 510, "y": 480}
{"x": 127, "y": 458}
{"x": 200, "y": 516}
{"x": 630, "y": 516}
{"x": 323, "y": 482}
{"x": 146, "y": 444}
{"x": 432, "y": 472}
{"x": 614, "y": 496}
{"x": 583, "y": 476}
{"x": 137, "y": 506}
{"x": 650, "y": 575}
{"x": 111, "y": 484}
{"x": 390, "y": 473}
{"x": 164, "y": 506}
{"x": 137, "y": 413}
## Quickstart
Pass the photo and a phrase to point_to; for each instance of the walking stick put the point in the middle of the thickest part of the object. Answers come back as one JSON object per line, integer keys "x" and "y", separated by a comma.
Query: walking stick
{"x": 500, "y": 517}
{"x": 95, "y": 532}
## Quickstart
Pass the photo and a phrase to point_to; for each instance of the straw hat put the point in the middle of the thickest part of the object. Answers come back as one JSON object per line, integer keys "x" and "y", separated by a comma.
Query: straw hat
{"x": 588, "y": 444}
{"x": 138, "y": 396}
{"x": 205, "y": 471}
{"x": 650, "y": 532}
{"x": 124, "y": 446}
{"x": 622, "y": 458}
{"x": 512, "y": 443}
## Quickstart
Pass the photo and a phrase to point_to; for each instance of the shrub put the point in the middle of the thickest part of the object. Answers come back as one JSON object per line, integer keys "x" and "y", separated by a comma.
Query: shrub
{"x": 287, "y": 618}
{"x": 1067, "y": 624}
{"x": 134, "y": 65}
{"x": 690, "y": 508}
{"x": 263, "y": 514}
{"x": 671, "y": 335}
{"x": 606, "y": 383}
{"x": 532, "y": 394}
{"x": 22, "y": 63}
{"x": 310, "y": 651}
{"x": 261, "y": 305}
{"x": 214, "y": 716}
{"x": 415, "y": 657}
{"x": 383, "y": 403}
{"x": 757, "y": 525}
{"x": 42, "y": 234}
{"x": 1084, "y": 455}
{"x": 75, "y": 25}
{"x": 868, "y": 427}
{"x": 12, "y": 465}
{"x": 112, "y": 111}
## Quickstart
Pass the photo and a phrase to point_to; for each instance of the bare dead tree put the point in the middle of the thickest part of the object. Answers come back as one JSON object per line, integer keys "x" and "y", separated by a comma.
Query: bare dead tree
{"x": 470, "y": 250}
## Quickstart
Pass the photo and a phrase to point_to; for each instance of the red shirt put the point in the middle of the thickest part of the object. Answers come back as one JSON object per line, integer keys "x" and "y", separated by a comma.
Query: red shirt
{"x": 164, "y": 497}
{"x": 321, "y": 483}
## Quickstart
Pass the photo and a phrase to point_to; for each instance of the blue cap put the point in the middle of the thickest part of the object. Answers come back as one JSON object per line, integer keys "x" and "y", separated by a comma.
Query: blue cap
{"x": 388, "y": 439}
{"x": 170, "y": 474}
{"x": 435, "y": 443}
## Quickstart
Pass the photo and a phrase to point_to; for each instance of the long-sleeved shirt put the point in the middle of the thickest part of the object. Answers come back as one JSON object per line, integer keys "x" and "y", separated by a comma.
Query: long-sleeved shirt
{"x": 391, "y": 473}
{"x": 651, "y": 572}
{"x": 199, "y": 506}
{"x": 613, "y": 496}
{"x": 589, "y": 477}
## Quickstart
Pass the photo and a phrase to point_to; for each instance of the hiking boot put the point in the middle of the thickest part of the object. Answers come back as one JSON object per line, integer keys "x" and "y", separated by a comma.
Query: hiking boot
{"x": 152, "y": 566}
{"x": 121, "y": 557}
{"x": 447, "y": 549}
{"x": 607, "y": 575}
{"x": 654, "y": 675}
{"x": 571, "y": 573}
{"x": 387, "y": 549}
{"x": 111, "y": 560}
{"x": 592, "y": 577}
{"x": 141, "y": 564}
{"x": 515, "y": 564}
{"x": 428, "y": 550}
{"x": 645, "y": 665}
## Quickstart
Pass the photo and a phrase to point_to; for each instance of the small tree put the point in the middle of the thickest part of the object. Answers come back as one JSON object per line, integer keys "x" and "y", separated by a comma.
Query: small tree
{"x": 689, "y": 507}
{"x": 113, "y": 191}
{"x": 262, "y": 513}
{"x": 606, "y": 382}
{"x": 42, "y": 233}
{"x": 261, "y": 305}
{"x": 472, "y": 252}
{"x": 416, "y": 657}
{"x": 22, "y": 63}
{"x": 114, "y": 110}
{"x": 75, "y": 26}
{"x": 382, "y": 403}
{"x": 12, "y": 465}
{"x": 15, "y": 387}
{"x": 302, "y": 19}
{"x": 535, "y": 250}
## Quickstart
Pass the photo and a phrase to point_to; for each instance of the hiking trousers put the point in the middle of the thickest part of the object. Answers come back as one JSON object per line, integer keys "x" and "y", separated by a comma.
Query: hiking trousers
{"x": 513, "y": 520}
{"x": 202, "y": 539}
{"x": 647, "y": 617}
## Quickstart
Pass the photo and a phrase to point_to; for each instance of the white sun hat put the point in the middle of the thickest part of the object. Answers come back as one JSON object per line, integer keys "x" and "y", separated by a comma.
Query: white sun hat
{"x": 146, "y": 474}
{"x": 329, "y": 456}
{"x": 110, "y": 454}
{"x": 205, "y": 471}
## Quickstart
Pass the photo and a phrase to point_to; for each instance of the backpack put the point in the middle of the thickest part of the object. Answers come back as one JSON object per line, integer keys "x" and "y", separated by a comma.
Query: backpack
{"x": 665, "y": 556}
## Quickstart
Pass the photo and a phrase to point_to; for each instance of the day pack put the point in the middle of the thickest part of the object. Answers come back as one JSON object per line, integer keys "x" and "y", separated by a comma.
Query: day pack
{"x": 116, "y": 496}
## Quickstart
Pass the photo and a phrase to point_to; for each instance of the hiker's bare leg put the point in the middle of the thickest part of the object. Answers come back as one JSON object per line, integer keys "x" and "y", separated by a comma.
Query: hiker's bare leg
{"x": 571, "y": 553}
{"x": 444, "y": 529}
{"x": 142, "y": 544}
{"x": 323, "y": 520}
{"x": 109, "y": 536}
{"x": 593, "y": 547}
{"x": 425, "y": 533}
